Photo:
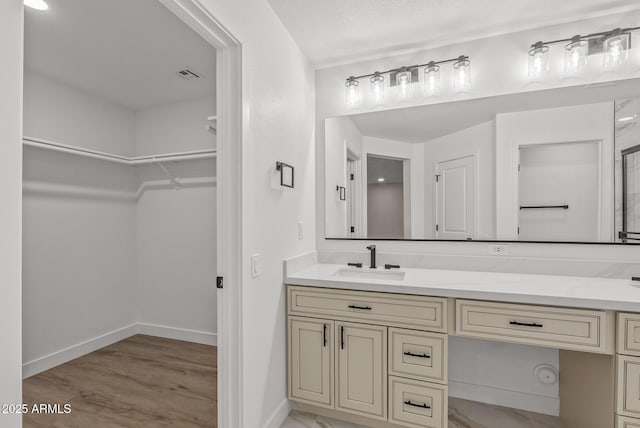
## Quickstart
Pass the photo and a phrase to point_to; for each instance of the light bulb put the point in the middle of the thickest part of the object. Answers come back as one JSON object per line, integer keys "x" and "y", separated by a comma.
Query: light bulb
{"x": 36, "y": 4}
{"x": 403, "y": 80}
{"x": 616, "y": 49}
{"x": 575, "y": 55}
{"x": 462, "y": 73}
{"x": 538, "y": 60}
{"x": 431, "y": 79}
{"x": 352, "y": 92}
{"x": 377, "y": 88}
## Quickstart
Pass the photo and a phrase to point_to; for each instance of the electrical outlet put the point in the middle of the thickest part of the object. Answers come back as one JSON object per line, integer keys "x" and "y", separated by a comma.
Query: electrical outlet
{"x": 256, "y": 265}
{"x": 300, "y": 231}
{"x": 498, "y": 250}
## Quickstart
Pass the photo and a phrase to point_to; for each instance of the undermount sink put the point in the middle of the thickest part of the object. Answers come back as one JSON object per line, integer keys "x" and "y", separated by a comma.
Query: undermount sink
{"x": 366, "y": 273}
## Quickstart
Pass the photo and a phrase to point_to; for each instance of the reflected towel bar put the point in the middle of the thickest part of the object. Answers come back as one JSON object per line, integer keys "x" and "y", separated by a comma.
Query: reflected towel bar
{"x": 538, "y": 207}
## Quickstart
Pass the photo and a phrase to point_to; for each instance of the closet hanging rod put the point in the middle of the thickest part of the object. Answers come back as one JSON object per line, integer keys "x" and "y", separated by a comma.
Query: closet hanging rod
{"x": 136, "y": 160}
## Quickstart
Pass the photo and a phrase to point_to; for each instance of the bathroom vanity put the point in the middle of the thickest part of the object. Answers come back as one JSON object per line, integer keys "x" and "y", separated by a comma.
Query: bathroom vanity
{"x": 370, "y": 346}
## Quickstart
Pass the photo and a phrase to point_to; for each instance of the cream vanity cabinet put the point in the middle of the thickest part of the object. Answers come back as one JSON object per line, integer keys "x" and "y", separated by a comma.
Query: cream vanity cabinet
{"x": 628, "y": 371}
{"x": 378, "y": 356}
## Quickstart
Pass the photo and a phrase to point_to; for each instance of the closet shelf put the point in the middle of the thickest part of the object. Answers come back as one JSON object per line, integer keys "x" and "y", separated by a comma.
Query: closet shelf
{"x": 124, "y": 160}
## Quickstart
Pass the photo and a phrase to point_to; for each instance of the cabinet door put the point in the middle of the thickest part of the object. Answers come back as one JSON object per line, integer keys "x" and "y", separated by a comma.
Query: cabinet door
{"x": 311, "y": 361}
{"x": 628, "y": 397}
{"x": 361, "y": 371}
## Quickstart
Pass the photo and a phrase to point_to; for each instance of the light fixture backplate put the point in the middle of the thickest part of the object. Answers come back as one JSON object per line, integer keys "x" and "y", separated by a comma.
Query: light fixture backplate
{"x": 415, "y": 73}
{"x": 596, "y": 45}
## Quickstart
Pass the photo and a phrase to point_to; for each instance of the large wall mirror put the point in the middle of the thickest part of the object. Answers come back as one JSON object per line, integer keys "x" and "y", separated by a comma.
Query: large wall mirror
{"x": 558, "y": 165}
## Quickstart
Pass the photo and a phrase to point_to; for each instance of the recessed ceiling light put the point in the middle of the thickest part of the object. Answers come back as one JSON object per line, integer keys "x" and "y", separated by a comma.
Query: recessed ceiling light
{"x": 36, "y": 4}
{"x": 627, "y": 118}
{"x": 381, "y": 179}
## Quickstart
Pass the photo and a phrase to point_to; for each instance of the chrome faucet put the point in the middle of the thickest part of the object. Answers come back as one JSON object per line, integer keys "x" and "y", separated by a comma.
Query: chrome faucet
{"x": 372, "y": 248}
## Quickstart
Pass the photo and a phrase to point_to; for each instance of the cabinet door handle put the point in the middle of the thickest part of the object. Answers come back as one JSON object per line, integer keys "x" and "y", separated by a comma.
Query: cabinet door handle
{"x": 411, "y": 354}
{"x": 525, "y": 324}
{"x": 422, "y": 406}
{"x": 364, "y": 308}
{"x": 324, "y": 335}
{"x": 341, "y": 337}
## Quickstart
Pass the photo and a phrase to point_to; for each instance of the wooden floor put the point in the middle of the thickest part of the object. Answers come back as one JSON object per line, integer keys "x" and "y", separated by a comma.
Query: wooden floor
{"x": 142, "y": 381}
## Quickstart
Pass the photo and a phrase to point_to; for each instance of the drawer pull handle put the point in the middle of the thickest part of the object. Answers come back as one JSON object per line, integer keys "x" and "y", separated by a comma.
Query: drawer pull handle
{"x": 364, "y": 308}
{"x": 324, "y": 335}
{"x": 525, "y": 324}
{"x": 411, "y": 354}
{"x": 422, "y": 406}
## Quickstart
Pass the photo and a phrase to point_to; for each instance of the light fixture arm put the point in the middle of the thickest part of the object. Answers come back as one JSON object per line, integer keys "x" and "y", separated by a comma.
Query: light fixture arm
{"x": 408, "y": 67}
{"x": 587, "y": 37}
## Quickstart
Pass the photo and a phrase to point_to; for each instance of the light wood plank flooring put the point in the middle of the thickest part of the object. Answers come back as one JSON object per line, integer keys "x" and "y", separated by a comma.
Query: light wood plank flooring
{"x": 140, "y": 382}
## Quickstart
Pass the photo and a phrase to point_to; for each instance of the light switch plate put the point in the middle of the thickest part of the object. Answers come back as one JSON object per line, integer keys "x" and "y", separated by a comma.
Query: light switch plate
{"x": 300, "y": 231}
{"x": 256, "y": 265}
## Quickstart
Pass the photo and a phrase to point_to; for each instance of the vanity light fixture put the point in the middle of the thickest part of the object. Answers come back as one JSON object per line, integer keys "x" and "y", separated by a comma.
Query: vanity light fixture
{"x": 614, "y": 45}
{"x": 431, "y": 79}
{"x": 381, "y": 179}
{"x": 575, "y": 56}
{"x": 616, "y": 48}
{"x": 403, "y": 78}
{"x": 462, "y": 73}
{"x": 36, "y": 4}
{"x": 538, "y": 60}
{"x": 377, "y": 88}
{"x": 352, "y": 92}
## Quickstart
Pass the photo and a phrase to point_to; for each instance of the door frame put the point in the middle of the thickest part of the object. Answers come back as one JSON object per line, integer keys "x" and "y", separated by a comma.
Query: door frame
{"x": 229, "y": 202}
{"x": 475, "y": 155}
{"x": 354, "y": 186}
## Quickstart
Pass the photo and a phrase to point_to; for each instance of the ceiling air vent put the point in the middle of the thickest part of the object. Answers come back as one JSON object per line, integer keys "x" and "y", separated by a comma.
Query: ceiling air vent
{"x": 188, "y": 74}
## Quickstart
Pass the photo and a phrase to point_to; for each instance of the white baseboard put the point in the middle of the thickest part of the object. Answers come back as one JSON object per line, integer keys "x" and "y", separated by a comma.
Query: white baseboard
{"x": 47, "y": 362}
{"x": 504, "y": 397}
{"x": 279, "y": 415}
{"x": 194, "y": 336}
{"x": 54, "y": 359}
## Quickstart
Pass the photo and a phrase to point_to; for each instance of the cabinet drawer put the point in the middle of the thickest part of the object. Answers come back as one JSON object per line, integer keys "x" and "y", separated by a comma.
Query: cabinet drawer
{"x": 629, "y": 334}
{"x": 563, "y": 328}
{"x": 418, "y": 354}
{"x": 623, "y": 422}
{"x": 628, "y": 376}
{"x": 417, "y": 404}
{"x": 397, "y": 310}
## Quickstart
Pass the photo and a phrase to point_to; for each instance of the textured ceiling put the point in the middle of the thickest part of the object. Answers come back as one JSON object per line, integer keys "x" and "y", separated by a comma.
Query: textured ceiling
{"x": 339, "y": 31}
{"x": 123, "y": 50}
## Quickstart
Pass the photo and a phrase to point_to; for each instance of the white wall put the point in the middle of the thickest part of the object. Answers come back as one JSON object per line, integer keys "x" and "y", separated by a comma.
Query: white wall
{"x": 176, "y": 229}
{"x": 61, "y": 113}
{"x": 278, "y": 125}
{"x": 415, "y": 154}
{"x": 174, "y": 127}
{"x": 590, "y": 122}
{"x": 478, "y": 141}
{"x": 79, "y": 252}
{"x": 11, "y": 19}
{"x": 79, "y": 214}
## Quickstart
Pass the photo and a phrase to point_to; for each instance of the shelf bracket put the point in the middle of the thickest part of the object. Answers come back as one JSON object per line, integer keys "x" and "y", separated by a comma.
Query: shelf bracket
{"x": 174, "y": 180}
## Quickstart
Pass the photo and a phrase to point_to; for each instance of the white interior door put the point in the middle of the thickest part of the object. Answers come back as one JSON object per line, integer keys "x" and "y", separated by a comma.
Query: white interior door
{"x": 455, "y": 198}
{"x": 559, "y": 192}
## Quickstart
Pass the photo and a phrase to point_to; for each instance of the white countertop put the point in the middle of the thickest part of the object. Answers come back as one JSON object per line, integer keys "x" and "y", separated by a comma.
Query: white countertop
{"x": 573, "y": 291}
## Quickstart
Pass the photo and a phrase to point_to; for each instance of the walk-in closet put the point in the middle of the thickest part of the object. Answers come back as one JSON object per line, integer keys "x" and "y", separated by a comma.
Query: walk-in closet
{"x": 119, "y": 216}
